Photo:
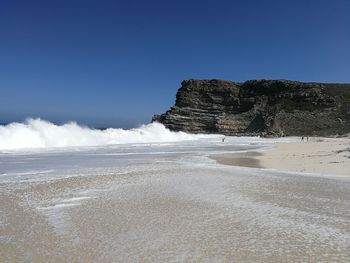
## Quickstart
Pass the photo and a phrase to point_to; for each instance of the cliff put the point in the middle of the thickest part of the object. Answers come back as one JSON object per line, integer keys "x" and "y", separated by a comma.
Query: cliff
{"x": 260, "y": 107}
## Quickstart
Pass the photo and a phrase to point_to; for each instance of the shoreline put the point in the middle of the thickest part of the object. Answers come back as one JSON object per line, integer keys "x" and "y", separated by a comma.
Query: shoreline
{"x": 168, "y": 207}
{"x": 245, "y": 159}
{"x": 325, "y": 156}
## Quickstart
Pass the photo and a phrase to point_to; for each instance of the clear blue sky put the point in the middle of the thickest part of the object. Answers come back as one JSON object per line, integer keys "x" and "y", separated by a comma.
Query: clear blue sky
{"x": 116, "y": 63}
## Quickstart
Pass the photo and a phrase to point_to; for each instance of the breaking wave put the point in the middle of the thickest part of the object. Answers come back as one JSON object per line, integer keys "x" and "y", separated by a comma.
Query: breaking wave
{"x": 37, "y": 133}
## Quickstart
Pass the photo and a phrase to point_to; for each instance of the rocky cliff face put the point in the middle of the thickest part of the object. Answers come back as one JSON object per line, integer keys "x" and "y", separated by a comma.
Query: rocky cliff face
{"x": 260, "y": 107}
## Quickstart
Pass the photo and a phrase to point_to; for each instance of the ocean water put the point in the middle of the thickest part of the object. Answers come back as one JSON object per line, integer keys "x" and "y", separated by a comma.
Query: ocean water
{"x": 73, "y": 194}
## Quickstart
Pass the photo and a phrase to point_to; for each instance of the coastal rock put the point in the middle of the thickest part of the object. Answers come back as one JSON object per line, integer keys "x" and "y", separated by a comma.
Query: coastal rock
{"x": 259, "y": 107}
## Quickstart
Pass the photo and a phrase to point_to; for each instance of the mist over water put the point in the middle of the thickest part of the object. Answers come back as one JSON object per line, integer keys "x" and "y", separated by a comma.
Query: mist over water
{"x": 37, "y": 133}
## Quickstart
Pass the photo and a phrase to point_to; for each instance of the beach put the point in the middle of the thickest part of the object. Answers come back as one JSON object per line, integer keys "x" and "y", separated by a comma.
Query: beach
{"x": 168, "y": 202}
{"x": 327, "y": 156}
{"x": 170, "y": 131}
{"x": 316, "y": 155}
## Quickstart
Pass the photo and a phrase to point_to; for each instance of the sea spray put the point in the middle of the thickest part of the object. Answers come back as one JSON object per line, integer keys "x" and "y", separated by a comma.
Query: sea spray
{"x": 38, "y": 133}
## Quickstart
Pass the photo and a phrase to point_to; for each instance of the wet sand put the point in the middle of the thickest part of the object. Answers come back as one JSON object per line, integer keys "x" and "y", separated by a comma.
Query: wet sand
{"x": 196, "y": 214}
{"x": 245, "y": 159}
{"x": 182, "y": 209}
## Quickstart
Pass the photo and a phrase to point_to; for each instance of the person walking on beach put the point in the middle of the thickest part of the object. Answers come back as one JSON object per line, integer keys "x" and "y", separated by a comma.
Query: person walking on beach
{"x": 223, "y": 139}
{"x": 302, "y": 138}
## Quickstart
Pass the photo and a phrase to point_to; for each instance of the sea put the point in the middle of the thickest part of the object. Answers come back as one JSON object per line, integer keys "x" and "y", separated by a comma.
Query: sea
{"x": 69, "y": 193}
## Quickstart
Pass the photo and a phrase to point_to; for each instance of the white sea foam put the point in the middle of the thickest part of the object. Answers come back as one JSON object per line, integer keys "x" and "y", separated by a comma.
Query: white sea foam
{"x": 37, "y": 133}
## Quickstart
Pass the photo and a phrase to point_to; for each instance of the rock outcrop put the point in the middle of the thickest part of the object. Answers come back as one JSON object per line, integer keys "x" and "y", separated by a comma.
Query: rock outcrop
{"x": 260, "y": 107}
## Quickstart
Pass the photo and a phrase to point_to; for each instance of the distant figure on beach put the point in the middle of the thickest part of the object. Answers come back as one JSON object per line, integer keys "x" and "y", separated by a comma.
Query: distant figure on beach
{"x": 223, "y": 139}
{"x": 302, "y": 138}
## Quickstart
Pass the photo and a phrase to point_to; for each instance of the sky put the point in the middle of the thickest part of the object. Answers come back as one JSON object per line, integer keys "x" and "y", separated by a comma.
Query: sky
{"x": 116, "y": 63}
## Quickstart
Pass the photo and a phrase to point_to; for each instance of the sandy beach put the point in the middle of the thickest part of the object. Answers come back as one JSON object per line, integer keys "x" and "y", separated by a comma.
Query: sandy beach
{"x": 169, "y": 203}
{"x": 330, "y": 156}
{"x": 326, "y": 156}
